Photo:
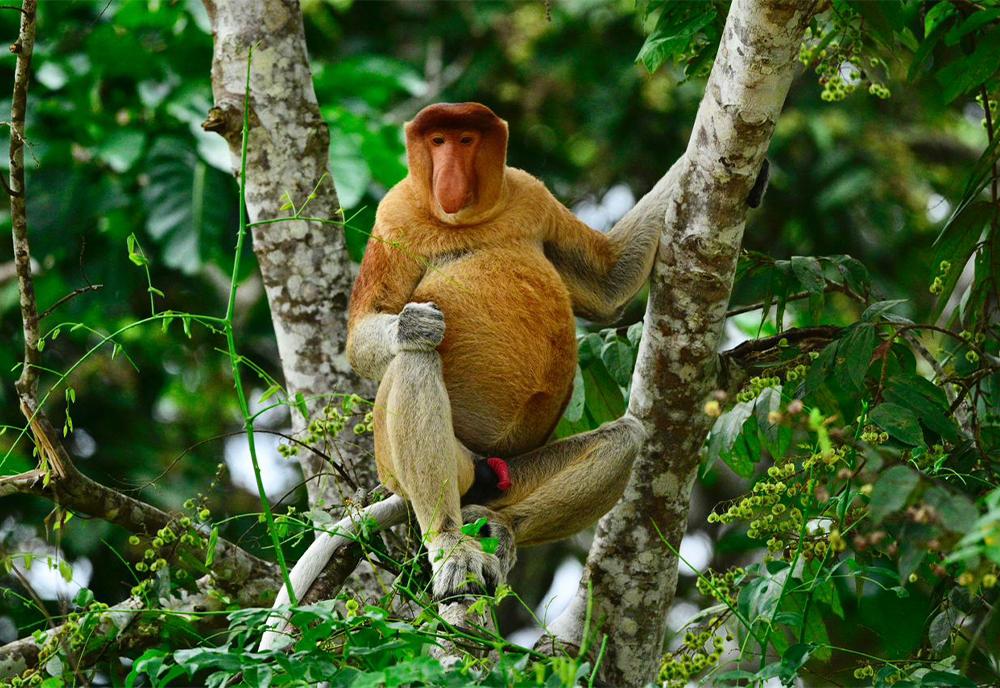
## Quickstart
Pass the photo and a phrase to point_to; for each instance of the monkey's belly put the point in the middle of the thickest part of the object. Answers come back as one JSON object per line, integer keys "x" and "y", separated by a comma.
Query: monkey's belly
{"x": 509, "y": 349}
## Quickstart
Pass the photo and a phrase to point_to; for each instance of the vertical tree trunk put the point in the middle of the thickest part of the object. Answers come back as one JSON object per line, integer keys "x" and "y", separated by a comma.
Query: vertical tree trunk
{"x": 305, "y": 267}
{"x": 701, "y": 204}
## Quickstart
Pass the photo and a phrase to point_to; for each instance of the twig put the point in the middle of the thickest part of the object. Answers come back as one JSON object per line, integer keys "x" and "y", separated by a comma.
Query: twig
{"x": 74, "y": 491}
{"x": 27, "y": 383}
{"x": 73, "y": 294}
{"x": 796, "y": 297}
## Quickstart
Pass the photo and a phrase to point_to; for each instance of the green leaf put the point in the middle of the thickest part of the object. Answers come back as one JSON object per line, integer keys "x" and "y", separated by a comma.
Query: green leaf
{"x": 84, "y": 597}
{"x": 673, "y": 33}
{"x": 725, "y": 431}
{"x": 472, "y": 529}
{"x": 974, "y": 21}
{"x": 900, "y": 422}
{"x": 577, "y": 402}
{"x": 775, "y": 437}
{"x": 122, "y": 149}
{"x": 971, "y": 71}
{"x": 604, "y": 397}
{"x": 268, "y": 393}
{"x": 955, "y": 244}
{"x": 875, "y": 311}
{"x": 213, "y": 540}
{"x": 808, "y": 272}
{"x": 854, "y": 353}
{"x": 956, "y": 512}
{"x": 184, "y": 216}
{"x": 350, "y": 171}
{"x": 619, "y": 359}
{"x": 940, "y": 679}
{"x": 927, "y": 401}
{"x": 939, "y": 632}
{"x": 821, "y": 368}
{"x": 891, "y": 491}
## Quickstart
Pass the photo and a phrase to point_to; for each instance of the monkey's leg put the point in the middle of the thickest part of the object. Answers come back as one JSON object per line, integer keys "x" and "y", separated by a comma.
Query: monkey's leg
{"x": 563, "y": 487}
{"x": 420, "y": 458}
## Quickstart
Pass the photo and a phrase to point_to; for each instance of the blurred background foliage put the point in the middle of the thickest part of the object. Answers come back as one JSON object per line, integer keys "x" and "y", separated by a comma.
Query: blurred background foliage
{"x": 116, "y": 148}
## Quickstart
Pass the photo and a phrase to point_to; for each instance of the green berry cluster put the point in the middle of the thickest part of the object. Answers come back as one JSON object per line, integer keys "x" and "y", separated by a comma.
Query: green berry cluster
{"x": 826, "y": 460}
{"x": 839, "y": 63}
{"x": 692, "y": 658}
{"x": 721, "y": 586}
{"x": 879, "y": 91}
{"x": 864, "y": 671}
{"x": 334, "y": 420}
{"x": 874, "y": 435}
{"x": 765, "y": 509}
{"x": 796, "y": 373}
{"x": 755, "y": 386}
{"x": 937, "y": 284}
{"x": 68, "y": 641}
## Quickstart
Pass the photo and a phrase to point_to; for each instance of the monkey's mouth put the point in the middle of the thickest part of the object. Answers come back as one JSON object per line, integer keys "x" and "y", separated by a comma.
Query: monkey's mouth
{"x": 453, "y": 207}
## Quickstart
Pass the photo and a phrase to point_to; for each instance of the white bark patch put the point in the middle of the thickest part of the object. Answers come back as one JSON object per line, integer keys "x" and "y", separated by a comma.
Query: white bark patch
{"x": 305, "y": 267}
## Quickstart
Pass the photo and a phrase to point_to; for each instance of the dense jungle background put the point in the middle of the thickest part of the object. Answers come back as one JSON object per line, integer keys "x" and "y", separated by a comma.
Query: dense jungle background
{"x": 882, "y": 144}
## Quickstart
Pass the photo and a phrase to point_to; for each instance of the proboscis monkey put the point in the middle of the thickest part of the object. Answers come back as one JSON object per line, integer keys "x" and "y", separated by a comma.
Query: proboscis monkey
{"x": 464, "y": 310}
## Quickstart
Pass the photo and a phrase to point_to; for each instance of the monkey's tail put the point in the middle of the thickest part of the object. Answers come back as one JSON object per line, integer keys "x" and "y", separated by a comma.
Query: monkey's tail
{"x": 387, "y": 513}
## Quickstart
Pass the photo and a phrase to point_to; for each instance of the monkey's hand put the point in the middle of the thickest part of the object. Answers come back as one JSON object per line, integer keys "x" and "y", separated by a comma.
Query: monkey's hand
{"x": 420, "y": 327}
{"x": 460, "y": 566}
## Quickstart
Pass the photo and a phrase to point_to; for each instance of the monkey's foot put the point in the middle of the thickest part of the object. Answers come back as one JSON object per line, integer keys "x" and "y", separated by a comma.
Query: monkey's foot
{"x": 497, "y": 529}
{"x": 460, "y": 566}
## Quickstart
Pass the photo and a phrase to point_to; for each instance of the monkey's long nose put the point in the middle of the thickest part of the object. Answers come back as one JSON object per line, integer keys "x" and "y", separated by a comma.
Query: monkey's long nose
{"x": 451, "y": 188}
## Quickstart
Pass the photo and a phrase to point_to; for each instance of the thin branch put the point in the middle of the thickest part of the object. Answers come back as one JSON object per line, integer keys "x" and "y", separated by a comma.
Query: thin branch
{"x": 118, "y": 628}
{"x": 65, "y": 485}
{"x": 830, "y": 287}
{"x": 736, "y": 363}
{"x": 72, "y": 295}
{"x": 27, "y": 383}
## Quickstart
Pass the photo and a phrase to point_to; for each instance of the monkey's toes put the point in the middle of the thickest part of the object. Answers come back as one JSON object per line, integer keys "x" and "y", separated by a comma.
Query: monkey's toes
{"x": 461, "y": 567}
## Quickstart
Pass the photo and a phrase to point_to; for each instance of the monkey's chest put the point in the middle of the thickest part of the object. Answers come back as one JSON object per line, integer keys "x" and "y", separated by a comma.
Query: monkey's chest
{"x": 509, "y": 350}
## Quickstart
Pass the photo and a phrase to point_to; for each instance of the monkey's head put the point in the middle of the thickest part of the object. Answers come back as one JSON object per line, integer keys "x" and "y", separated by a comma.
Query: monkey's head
{"x": 457, "y": 153}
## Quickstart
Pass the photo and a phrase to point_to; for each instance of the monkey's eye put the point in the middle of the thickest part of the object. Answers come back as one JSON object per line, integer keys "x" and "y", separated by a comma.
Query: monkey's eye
{"x": 437, "y": 140}
{"x": 466, "y": 140}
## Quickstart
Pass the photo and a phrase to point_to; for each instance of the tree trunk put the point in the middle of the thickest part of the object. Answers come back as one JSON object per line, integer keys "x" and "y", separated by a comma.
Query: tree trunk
{"x": 701, "y": 203}
{"x": 306, "y": 271}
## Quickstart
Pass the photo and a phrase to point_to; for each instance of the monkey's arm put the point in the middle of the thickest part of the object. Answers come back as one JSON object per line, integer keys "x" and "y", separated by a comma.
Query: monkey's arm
{"x": 388, "y": 276}
{"x": 602, "y": 271}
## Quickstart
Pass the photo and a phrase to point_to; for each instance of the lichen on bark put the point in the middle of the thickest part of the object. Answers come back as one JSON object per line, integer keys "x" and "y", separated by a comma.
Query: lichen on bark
{"x": 631, "y": 575}
{"x": 305, "y": 267}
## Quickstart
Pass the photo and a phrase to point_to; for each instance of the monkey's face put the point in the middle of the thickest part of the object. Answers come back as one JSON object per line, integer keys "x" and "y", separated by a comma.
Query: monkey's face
{"x": 457, "y": 155}
{"x": 453, "y": 167}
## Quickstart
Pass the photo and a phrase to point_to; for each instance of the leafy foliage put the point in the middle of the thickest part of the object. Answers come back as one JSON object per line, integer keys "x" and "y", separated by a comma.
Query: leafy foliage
{"x": 861, "y": 542}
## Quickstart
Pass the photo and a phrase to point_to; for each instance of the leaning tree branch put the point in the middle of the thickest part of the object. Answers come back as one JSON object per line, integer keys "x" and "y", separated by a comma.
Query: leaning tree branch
{"x": 233, "y": 568}
{"x": 632, "y": 574}
{"x": 27, "y": 383}
{"x": 129, "y": 626}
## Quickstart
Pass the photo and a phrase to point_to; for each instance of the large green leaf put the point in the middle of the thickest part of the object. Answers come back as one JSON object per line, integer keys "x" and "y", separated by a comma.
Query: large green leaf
{"x": 184, "y": 213}
{"x": 678, "y": 24}
{"x": 854, "y": 353}
{"x": 955, "y": 244}
{"x": 956, "y": 512}
{"x": 891, "y": 491}
{"x": 900, "y": 422}
{"x": 971, "y": 71}
{"x": 925, "y": 399}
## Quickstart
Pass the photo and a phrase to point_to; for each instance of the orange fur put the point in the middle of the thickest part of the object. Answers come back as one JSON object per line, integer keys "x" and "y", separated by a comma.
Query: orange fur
{"x": 509, "y": 350}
